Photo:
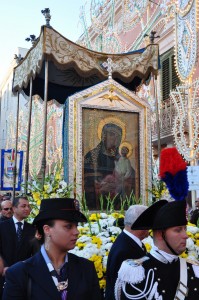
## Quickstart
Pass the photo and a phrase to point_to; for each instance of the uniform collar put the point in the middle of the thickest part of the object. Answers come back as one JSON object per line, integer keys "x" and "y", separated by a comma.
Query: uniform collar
{"x": 162, "y": 255}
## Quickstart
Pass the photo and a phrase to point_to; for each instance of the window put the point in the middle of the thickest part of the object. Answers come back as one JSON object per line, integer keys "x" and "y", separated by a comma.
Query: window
{"x": 169, "y": 77}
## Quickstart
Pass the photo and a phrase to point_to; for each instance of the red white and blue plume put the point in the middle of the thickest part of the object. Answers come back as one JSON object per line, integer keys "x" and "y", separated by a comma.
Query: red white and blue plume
{"x": 173, "y": 171}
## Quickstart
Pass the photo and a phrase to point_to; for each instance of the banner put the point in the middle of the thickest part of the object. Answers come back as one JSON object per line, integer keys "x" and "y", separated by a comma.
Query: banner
{"x": 7, "y": 168}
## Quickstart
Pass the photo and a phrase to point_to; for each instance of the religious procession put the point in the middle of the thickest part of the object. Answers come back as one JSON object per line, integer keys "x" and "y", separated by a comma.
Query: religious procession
{"x": 99, "y": 188}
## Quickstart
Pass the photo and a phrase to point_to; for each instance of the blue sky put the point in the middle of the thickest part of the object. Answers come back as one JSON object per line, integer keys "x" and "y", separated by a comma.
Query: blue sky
{"x": 20, "y": 18}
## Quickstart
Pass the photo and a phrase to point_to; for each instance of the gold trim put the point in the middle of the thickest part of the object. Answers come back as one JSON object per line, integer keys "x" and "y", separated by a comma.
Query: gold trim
{"x": 129, "y": 146}
{"x": 112, "y": 120}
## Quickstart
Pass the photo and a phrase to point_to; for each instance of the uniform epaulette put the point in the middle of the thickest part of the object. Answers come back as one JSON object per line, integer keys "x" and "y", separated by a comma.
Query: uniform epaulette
{"x": 132, "y": 271}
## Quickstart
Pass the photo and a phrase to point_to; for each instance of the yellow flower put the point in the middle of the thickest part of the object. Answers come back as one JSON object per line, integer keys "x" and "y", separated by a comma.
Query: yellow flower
{"x": 196, "y": 235}
{"x": 94, "y": 217}
{"x": 115, "y": 215}
{"x": 191, "y": 224}
{"x": 112, "y": 239}
{"x": 36, "y": 196}
{"x": 102, "y": 283}
{"x": 121, "y": 216}
{"x": 184, "y": 255}
{"x": 39, "y": 202}
{"x": 148, "y": 247}
{"x": 45, "y": 196}
{"x": 197, "y": 242}
{"x": 81, "y": 245}
{"x": 45, "y": 187}
{"x": 99, "y": 274}
{"x": 190, "y": 234}
{"x": 83, "y": 230}
{"x": 58, "y": 176}
{"x": 151, "y": 233}
{"x": 96, "y": 240}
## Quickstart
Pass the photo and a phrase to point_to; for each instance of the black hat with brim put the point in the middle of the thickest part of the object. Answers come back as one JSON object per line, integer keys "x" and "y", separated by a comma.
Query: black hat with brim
{"x": 171, "y": 215}
{"x": 59, "y": 209}
{"x": 146, "y": 219}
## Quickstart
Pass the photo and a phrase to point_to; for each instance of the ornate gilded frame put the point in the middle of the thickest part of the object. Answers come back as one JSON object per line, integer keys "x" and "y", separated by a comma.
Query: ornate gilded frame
{"x": 89, "y": 98}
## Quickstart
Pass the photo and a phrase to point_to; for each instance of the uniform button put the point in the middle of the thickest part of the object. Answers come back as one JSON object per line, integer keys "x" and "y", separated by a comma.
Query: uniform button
{"x": 163, "y": 291}
{"x": 155, "y": 269}
{"x": 192, "y": 278}
{"x": 195, "y": 289}
{"x": 159, "y": 279}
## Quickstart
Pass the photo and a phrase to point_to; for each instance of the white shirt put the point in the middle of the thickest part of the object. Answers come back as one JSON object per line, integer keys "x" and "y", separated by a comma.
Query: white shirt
{"x": 16, "y": 221}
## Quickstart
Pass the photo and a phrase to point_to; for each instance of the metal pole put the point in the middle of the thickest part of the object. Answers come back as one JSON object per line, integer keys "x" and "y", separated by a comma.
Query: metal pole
{"x": 191, "y": 129}
{"x": 16, "y": 146}
{"x": 28, "y": 138}
{"x": 157, "y": 116}
{"x": 43, "y": 165}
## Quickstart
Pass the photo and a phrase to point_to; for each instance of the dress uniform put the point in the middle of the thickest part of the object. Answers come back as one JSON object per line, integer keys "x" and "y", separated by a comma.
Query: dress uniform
{"x": 161, "y": 275}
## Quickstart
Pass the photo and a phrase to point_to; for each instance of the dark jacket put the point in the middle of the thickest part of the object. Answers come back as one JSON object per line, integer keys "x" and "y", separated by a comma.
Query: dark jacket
{"x": 166, "y": 277}
{"x": 123, "y": 248}
{"x": 3, "y": 218}
{"x": 10, "y": 250}
{"x": 82, "y": 280}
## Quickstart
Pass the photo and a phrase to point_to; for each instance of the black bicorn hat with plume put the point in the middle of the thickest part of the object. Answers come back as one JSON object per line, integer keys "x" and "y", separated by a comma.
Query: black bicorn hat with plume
{"x": 173, "y": 171}
{"x": 163, "y": 214}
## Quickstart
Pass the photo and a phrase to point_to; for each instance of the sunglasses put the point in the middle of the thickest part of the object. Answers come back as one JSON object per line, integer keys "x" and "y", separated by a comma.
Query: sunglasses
{"x": 7, "y": 208}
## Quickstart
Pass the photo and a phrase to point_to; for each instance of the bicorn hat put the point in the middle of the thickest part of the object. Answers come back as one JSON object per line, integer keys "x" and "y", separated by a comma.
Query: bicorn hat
{"x": 170, "y": 215}
{"x": 145, "y": 220}
{"x": 60, "y": 209}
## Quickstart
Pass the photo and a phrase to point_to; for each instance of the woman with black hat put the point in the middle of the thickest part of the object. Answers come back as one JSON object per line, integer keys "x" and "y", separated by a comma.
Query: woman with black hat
{"x": 53, "y": 273}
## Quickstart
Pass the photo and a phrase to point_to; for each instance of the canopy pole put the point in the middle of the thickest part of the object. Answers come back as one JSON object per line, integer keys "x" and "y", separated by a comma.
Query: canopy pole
{"x": 16, "y": 146}
{"x": 157, "y": 115}
{"x": 28, "y": 138}
{"x": 43, "y": 165}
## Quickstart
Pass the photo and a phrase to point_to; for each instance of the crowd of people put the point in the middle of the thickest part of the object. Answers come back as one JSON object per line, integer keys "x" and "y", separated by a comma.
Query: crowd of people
{"x": 35, "y": 262}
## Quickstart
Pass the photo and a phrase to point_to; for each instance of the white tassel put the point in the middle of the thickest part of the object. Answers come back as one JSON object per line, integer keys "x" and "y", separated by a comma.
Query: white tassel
{"x": 131, "y": 272}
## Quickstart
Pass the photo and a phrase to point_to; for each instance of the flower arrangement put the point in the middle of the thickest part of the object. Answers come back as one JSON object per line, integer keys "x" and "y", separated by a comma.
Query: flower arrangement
{"x": 54, "y": 187}
{"x": 95, "y": 241}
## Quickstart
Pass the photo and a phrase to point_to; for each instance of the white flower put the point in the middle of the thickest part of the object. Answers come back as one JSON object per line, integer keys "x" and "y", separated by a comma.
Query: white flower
{"x": 104, "y": 261}
{"x": 190, "y": 244}
{"x": 84, "y": 239}
{"x": 148, "y": 240}
{"x": 114, "y": 230}
{"x": 49, "y": 188}
{"x": 103, "y": 215}
{"x": 63, "y": 184}
{"x": 103, "y": 234}
{"x": 192, "y": 229}
{"x": 107, "y": 246}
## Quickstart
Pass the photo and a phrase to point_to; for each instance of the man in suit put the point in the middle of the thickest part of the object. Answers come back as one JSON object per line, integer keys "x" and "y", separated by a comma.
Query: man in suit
{"x": 127, "y": 245}
{"x": 6, "y": 210}
{"x": 15, "y": 242}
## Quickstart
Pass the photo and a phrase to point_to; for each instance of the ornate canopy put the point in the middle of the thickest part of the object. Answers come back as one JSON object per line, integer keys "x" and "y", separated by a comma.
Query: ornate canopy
{"x": 72, "y": 68}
